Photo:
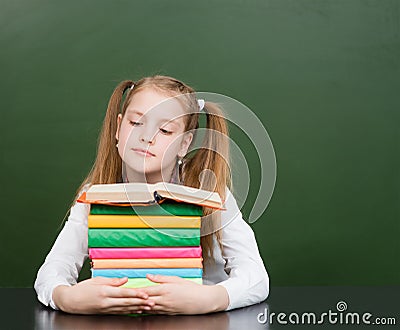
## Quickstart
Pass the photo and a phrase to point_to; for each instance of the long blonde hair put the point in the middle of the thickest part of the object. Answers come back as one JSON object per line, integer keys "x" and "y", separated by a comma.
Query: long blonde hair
{"x": 213, "y": 154}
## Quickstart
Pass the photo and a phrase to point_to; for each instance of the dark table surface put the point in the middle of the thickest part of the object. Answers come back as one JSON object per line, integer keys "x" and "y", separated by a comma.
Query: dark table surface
{"x": 21, "y": 310}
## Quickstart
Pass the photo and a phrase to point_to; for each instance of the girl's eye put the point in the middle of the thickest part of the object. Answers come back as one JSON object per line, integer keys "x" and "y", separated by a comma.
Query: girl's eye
{"x": 134, "y": 123}
{"x": 164, "y": 131}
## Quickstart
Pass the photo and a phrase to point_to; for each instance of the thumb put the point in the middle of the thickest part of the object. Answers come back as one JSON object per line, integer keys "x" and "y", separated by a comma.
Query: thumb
{"x": 110, "y": 281}
{"x": 164, "y": 278}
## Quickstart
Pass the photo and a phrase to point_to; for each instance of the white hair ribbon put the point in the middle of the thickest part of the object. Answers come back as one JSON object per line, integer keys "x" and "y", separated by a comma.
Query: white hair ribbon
{"x": 201, "y": 103}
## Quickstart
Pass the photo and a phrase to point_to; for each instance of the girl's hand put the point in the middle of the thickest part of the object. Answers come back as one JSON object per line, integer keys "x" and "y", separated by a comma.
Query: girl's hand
{"x": 176, "y": 295}
{"x": 100, "y": 295}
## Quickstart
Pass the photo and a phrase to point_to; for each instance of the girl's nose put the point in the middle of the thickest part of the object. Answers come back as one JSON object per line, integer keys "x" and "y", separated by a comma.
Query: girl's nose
{"x": 147, "y": 139}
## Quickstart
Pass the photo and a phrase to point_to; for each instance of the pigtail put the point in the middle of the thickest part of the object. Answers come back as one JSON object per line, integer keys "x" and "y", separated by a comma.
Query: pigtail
{"x": 209, "y": 169}
{"x": 213, "y": 154}
{"x": 107, "y": 167}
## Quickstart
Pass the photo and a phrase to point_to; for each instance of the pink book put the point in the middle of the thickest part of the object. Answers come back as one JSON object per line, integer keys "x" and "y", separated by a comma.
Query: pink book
{"x": 139, "y": 253}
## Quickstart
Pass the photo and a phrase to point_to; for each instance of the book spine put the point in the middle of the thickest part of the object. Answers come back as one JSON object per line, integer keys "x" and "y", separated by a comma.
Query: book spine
{"x": 164, "y": 208}
{"x": 147, "y": 263}
{"x": 142, "y": 282}
{"x": 132, "y": 253}
{"x": 145, "y": 221}
{"x": 142, "y": 272}
{"x": 147, "y": 237}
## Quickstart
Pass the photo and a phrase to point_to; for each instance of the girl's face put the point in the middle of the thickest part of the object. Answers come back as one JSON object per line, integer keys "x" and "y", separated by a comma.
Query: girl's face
{"x": 151, "y": 136}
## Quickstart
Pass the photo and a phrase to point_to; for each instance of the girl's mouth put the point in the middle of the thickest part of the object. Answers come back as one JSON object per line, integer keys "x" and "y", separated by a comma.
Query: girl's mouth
{"x": 143, "y": 152}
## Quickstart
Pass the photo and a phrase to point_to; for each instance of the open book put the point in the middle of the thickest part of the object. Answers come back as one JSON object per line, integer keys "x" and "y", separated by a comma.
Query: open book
{"x": 144, "y": 193}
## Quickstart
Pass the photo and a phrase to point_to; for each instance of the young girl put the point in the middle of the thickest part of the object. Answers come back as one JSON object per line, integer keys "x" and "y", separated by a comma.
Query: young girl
{"x": 146, "y": 138}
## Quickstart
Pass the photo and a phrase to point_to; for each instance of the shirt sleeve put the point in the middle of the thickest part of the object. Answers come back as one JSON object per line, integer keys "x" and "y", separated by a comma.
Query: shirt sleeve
{"x": 65, "y": 259}
{"x": 248, "y": 281}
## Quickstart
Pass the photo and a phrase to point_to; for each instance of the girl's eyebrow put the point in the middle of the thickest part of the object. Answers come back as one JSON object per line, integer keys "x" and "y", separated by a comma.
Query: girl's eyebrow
{"x": 161, "y": 120}
{"x": 134, "y": 111}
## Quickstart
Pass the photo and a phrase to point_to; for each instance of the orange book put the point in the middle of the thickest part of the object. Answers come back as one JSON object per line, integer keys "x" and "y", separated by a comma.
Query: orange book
{"x": 148, "y": 263}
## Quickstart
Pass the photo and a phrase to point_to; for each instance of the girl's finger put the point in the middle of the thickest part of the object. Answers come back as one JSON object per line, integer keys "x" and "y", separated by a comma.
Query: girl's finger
{"x": 162, "y": 309}
{"x": 155, "y": 290}
{"x": 117, "y": 292}
{"x": 156, "y": 300}
{"x": 120, "y": 310}
{"x": 127, "y": 309}
{"x": 164, "y": 278}
{"x": 158, "y": 303}
{"x": 131, "y": 303}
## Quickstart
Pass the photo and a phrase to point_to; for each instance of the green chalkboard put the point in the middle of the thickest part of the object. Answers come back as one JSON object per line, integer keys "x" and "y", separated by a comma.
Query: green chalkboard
{"x": 322, "y": 76}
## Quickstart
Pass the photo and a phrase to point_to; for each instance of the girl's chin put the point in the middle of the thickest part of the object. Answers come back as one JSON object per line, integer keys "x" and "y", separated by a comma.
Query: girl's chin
{"x": 142, "y": 169}
{"x": 139, "y": 162}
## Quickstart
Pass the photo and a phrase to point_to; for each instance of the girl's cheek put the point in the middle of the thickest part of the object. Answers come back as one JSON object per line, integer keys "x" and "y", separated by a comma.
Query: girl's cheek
{"x": 128, "y": 135}
{"x": 168, "y": 142}
{"x": 125, "y": 140}
{"x": 171, "y": 148}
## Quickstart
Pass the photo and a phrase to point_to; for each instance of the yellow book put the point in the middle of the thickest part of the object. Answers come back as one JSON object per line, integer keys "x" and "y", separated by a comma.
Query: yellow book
{"x": 141, "y": 221}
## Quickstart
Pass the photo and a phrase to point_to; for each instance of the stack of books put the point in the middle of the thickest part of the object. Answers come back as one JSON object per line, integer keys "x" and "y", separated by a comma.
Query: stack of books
{"x": 136, "y": 229}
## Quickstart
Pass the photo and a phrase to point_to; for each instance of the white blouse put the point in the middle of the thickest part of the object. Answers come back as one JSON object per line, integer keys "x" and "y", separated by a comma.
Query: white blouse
{"x": 239, "y": 268}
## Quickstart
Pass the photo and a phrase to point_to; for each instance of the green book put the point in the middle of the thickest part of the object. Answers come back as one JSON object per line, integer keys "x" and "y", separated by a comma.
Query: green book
{"x": 140, "y": 282}
{"x": 164, "y": 208}
{"x": 143, "y": 237}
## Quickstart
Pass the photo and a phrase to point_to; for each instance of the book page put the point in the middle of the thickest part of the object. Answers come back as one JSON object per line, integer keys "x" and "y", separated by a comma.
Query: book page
{"x": 179, "y": 191}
